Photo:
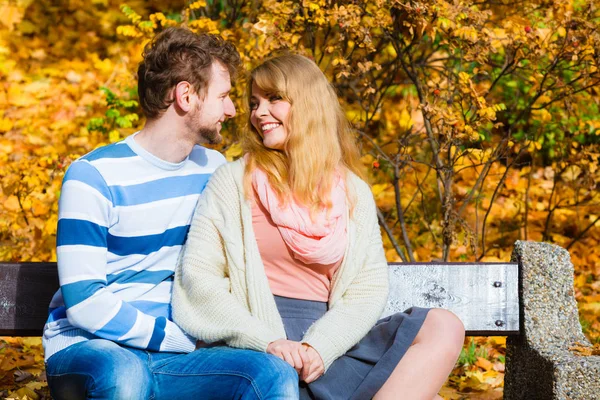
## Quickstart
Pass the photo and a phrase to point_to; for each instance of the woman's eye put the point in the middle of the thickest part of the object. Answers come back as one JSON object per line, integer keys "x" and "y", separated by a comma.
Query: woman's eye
{"x": 253, "y": 106}
{"x": 274, "y": 98}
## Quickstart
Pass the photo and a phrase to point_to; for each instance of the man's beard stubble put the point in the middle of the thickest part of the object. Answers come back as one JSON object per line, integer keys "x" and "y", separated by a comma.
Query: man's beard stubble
{"x": 209, "y": 136}
{"x": 202, "y": 134}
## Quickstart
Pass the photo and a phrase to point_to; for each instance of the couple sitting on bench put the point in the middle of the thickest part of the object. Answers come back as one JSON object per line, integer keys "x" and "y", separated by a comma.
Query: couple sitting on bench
{"x": 278, "y": 289}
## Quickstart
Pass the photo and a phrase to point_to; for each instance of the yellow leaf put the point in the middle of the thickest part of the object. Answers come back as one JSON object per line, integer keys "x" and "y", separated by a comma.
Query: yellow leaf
{"x": 19, "y": 98}
{"x": 37, "y": 385}
{"x": 129, "y": 31}
{"x": 475, "y": 380}
{"x": 36, "y": 140}
{"x": 491, "y": 259}
{"x": 595, "y": 307}
{"x": 233, "y": 152}
{"x": 5, "y": 125}
{"x": 391, "y": 51}
{"x": 197, "y": 5}
{"x": 484, "y": 364}
{"x": 39, "y": 208}
{"x": 580, "y": 280}
{"x": 26, "y": 393}
{"x": 38, "y": 89}
{"x": 379, "y": 188}
{"x": 73, "y": 77}
{"x": 571, "y": 173}
{"x": 405, "y": 121}
{"x": 12, "y": 203}
{"x": 6, "y": 148}
{"x": 11, "y": 15}
{"x": 392, "y": 256}
{"x": 582, "y": 349}
{"x": 114, "y": 136}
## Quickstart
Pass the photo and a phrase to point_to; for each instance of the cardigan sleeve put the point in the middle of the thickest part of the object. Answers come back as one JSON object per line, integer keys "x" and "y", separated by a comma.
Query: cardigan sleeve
{"x": 359, "y": 308}
{"x": 203, "y": 304}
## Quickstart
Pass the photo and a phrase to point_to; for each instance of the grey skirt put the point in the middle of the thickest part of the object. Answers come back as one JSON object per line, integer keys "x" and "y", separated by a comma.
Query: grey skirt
{"x": 362, "y": 371}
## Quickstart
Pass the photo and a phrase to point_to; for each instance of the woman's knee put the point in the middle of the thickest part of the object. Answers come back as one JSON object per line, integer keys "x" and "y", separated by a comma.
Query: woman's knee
{"x": 442, "y": 327}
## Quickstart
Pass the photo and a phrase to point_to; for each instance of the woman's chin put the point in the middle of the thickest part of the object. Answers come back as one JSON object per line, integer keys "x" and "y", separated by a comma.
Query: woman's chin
{"x": 272, "y": 145}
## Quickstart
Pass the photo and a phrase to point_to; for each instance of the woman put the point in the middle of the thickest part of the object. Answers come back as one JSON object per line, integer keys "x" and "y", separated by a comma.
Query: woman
{"x": 285, "y": 255}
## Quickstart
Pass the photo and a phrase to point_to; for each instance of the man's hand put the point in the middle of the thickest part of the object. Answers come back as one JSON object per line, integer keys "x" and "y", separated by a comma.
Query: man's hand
{"x": 314, "y": 368}
{"x": 289, "y": 351}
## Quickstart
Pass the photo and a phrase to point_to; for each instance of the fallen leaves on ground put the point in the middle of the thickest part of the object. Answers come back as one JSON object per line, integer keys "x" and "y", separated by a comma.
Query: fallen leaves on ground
{"x": 22, "y": 374}
{"x": 582, "y": 349}
{"x": 479, "y": 372}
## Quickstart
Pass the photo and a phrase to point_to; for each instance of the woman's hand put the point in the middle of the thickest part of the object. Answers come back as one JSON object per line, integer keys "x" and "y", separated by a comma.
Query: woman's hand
{"x": 314, "y": 368}
{"x": 289, "y": 351}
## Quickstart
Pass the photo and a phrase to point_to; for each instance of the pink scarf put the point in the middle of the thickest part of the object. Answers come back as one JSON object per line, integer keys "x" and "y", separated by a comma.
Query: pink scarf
{"x": 322, "y": 241}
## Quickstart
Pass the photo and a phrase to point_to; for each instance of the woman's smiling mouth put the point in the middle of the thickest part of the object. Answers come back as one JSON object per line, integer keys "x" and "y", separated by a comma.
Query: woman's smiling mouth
{"x": 266, "y": 128}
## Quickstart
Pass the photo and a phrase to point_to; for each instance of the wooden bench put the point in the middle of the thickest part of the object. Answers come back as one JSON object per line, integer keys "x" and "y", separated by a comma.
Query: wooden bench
{"x": 25, "y": 293}
{"x": 484, "y": 296}
{"x": 530, "y": 300}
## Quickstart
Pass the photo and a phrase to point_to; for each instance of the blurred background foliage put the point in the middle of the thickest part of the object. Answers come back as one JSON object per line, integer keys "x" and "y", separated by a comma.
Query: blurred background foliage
{"x": 478, "y": 121}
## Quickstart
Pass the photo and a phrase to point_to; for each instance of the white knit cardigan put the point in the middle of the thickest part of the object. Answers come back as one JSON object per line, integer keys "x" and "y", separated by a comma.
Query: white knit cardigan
{"x": 221, "y": 292}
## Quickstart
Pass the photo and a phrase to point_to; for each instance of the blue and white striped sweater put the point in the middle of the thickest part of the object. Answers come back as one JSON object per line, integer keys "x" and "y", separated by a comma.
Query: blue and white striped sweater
{"x": 124, "y": 215}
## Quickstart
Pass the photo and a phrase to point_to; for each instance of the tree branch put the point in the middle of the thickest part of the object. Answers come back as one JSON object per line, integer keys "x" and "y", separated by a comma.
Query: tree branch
{"x": 390, "y": 234}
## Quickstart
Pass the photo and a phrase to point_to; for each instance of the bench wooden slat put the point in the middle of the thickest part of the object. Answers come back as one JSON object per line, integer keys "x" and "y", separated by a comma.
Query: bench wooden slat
{"x": 25, "y": 293}
{"x": 466, "y": 289}
{"x": 484, "y": 295}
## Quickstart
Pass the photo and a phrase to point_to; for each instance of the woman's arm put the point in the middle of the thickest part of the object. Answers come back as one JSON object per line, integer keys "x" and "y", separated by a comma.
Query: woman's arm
{"x": 203, "y": 304}
{"x": 361, "y": 305}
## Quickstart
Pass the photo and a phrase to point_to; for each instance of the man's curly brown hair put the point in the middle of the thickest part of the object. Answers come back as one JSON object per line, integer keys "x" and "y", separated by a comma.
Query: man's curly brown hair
{"x": 176, "y": 55}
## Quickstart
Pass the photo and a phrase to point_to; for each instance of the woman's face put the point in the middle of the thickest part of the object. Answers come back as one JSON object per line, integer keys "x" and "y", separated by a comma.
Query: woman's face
{"x": 269, "y": 116}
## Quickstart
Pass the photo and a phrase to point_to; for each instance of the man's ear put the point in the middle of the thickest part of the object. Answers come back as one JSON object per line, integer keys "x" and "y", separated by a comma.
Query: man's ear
{"x": 184, "y": 94}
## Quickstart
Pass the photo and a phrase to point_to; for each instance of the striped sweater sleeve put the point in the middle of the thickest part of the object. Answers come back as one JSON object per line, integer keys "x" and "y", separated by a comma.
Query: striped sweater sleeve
{"x": 84, "y": 219}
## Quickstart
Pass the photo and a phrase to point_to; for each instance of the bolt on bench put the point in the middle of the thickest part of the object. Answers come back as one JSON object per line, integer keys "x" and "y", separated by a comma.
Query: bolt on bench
{"x": 530, "y": 300}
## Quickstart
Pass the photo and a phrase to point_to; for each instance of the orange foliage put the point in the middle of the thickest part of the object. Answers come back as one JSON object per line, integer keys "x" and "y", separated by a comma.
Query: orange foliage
{"x": 480, "y": 121}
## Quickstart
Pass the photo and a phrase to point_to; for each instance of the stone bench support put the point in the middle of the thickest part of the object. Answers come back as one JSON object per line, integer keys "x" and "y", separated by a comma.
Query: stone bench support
{"x": 539, "y": 364}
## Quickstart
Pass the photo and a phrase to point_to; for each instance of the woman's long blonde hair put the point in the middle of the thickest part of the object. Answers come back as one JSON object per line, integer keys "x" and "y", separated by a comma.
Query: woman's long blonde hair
{"x": 319, "y": 141}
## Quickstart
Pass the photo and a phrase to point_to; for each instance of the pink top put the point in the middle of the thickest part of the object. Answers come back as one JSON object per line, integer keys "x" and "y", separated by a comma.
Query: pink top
{"x": 288, "y": 276}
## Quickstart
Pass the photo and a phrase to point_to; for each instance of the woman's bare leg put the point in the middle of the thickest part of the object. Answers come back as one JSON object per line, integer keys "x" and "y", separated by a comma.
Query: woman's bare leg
{"x": 429, "y": 360}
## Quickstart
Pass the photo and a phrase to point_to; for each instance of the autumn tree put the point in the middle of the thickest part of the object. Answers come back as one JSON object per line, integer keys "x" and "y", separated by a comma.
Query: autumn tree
{"x": 449, "y": 99}
{"x": 478, "y": 119}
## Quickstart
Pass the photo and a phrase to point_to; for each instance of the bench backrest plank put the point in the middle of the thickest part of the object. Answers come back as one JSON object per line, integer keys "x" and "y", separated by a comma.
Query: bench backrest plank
{"x": 25, "y": 293}
{"x": 480, "y": 294}
{"x": 484, "y": 295}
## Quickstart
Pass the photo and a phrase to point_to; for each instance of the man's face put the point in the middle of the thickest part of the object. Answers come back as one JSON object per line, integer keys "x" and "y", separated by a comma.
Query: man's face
{"x": 204, "y": 121}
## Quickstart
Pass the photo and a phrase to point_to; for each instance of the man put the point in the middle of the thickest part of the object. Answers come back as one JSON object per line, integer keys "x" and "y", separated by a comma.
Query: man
{"x": 124, "y": 213}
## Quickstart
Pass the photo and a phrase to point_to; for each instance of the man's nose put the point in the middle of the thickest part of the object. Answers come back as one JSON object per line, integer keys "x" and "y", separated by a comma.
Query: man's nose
{"x": 229, "y": 108}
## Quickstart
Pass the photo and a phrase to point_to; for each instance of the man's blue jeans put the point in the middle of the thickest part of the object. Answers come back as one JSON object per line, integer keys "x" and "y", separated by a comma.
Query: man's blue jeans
{"x": 101, "y": 369}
